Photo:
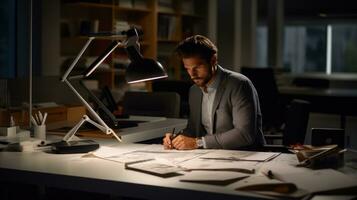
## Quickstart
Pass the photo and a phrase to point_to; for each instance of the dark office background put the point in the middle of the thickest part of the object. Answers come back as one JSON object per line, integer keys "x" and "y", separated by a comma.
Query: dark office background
{"x": 306, "y": 25}
{"x": 310, "y": 29}
{"x": 14, "y": 42}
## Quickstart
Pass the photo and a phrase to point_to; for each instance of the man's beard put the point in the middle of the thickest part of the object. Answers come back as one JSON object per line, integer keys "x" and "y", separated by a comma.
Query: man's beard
{"x": 201, "y": 82}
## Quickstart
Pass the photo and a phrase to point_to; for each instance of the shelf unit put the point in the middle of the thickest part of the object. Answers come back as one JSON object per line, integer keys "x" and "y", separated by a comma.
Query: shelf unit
{"x": 164, "y": 23}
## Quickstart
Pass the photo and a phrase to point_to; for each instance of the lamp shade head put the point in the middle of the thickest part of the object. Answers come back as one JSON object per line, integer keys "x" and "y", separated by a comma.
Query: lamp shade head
{"x": 144, "y": 69}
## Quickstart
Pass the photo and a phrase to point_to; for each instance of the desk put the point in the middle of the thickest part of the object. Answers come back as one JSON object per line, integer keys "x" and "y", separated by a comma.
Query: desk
{"x": 107, "y": 177}
{"x": 101, "y": 176}
{"x": 332, "y": 101}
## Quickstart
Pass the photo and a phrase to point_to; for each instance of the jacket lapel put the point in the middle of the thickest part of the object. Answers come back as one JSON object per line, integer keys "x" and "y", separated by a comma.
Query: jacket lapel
{"x": 219, "y": 93}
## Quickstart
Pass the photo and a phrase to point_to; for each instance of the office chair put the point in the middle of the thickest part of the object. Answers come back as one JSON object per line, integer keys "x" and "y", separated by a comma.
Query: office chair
{"x": 296, "y": 120}
{"x": 163, "y": 104}
{"x": 271, "y": 107}
{"x": 178, "y": 86}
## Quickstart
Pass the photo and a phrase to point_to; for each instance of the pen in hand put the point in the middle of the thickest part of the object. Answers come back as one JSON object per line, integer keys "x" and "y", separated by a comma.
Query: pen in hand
{"x": 173, "y": 134}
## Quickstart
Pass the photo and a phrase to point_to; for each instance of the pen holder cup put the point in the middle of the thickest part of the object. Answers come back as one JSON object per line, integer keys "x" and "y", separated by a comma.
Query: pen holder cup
{"x": 40, "y": 132}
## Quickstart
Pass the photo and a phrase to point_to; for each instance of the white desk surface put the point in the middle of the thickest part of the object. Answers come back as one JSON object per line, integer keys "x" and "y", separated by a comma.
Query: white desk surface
{"x": 97, "y": 175}
{"x": 71, "y": 171}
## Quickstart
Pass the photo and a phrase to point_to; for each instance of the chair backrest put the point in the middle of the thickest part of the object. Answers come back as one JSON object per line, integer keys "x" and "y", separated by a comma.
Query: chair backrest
{"x": 297, "y": 117}
{"x": 264, "y": 81}
{"x": 178, "y": 86}
{"x": 165, "y": 104}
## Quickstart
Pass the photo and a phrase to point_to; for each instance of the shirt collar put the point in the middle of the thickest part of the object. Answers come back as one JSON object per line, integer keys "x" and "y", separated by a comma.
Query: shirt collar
{"x": 215, "y": 83}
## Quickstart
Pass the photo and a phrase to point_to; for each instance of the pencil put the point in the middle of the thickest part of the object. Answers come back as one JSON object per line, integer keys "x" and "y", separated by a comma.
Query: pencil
{"x": 44, "y": 119}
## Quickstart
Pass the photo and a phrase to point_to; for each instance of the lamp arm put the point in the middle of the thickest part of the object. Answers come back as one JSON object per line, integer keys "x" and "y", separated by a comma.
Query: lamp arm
{"x": 65, "y": 75}
{"x": 74, "y": 130}
{"x": 85, "y": 118}
{"x": 104, "y": 127}
{"x": 101, "y": 58}
{"x": 132, "y": 45}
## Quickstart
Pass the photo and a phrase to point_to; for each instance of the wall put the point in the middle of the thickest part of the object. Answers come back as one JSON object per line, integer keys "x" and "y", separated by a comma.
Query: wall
{"x": 225, "y": 32}
{"x": 51, "y": 59}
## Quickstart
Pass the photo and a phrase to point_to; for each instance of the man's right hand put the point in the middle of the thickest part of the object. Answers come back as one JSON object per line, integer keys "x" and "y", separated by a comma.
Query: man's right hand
{"x": 167, "y": 141}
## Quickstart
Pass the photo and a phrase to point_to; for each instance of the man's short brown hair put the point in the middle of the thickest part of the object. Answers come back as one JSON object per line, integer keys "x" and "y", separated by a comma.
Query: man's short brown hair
{"x": 196, "y": 45}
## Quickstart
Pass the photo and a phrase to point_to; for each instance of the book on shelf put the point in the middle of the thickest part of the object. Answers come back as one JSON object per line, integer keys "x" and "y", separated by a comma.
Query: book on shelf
{"x": 120, "y": 26}
{"x": 140, "y": 4}
{"x": 166, "y": 6}
{"x": 125, "y": 3}
{"x": 167, "y": 27}
{"x": 187, "y": 7}
{"x": 88, "y": 26}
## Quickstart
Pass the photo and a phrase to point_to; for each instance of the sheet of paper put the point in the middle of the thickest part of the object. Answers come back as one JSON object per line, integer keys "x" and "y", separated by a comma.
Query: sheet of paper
{"x": 150, "y": 152}
{"x": 333, "y": 197}
{"x": 223, "y": 165}
{"x": 213, "y": 177}
{"x": 255, "y": 180}
{"x": 241, "y": 155}
{"x": 267, "y": 186}
{"x": 120, "y": 155}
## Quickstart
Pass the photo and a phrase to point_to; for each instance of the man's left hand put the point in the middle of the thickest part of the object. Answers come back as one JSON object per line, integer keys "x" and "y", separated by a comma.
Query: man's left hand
{"x": 182, "y": 142}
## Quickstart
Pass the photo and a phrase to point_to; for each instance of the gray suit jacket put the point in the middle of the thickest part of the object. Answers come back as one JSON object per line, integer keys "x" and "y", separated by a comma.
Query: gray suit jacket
{"x": 237, "y": 119}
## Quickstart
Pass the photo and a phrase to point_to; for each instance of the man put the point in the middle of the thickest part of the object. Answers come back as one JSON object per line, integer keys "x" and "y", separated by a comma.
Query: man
{"x": 224, "y": 105}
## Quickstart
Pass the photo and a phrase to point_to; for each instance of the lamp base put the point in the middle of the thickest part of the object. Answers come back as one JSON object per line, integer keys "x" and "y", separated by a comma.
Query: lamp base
{"x": 79, "y": 146}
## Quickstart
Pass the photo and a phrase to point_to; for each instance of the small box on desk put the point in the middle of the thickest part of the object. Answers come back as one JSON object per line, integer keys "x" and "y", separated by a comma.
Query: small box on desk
{"x": 319, "y": 157}
{"x": 75, "y": 113}
{"x": 8, "y": 131}
{"x": 55, "y": 114}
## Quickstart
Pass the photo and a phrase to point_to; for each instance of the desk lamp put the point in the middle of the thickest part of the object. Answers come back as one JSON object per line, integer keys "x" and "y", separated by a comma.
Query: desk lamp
{"x": 140, "y": 69}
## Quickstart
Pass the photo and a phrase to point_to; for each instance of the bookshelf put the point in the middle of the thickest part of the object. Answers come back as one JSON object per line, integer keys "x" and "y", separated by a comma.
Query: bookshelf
{"x": 164, "y": 23}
